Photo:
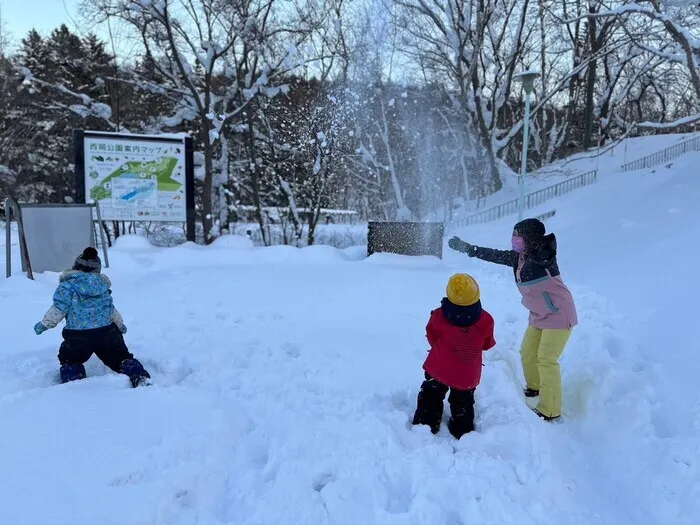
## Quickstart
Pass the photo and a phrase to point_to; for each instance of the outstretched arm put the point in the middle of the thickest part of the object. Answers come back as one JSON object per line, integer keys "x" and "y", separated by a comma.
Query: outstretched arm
{"x": 52, "y": 317}
{"x": 505, "y": 257}
{"x": 492, "y": 255}
{"x": 57, "y": 311}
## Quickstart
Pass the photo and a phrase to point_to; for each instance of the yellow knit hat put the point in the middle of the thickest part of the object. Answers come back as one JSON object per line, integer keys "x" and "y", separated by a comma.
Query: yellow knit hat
{"x": 462, "y": 290}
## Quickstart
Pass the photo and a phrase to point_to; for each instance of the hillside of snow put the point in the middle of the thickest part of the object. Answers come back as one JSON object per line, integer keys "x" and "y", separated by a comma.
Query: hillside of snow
{"x": 605, "y": 160}
{"x": 285, "y": 380}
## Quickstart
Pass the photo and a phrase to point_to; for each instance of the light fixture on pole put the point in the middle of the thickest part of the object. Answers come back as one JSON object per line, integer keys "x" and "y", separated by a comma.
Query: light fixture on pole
{"x": 528, "y": 79}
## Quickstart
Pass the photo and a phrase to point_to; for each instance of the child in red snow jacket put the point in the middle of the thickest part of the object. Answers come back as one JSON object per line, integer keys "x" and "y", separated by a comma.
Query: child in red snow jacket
{"x": 458, "y": 332}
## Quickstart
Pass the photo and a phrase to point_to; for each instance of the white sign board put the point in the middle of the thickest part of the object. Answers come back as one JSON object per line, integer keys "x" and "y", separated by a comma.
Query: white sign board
{"x": 136, "y": 179}
{"x": 56, "y": 235}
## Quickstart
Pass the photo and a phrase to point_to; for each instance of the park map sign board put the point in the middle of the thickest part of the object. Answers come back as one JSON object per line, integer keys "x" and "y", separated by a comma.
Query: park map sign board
{"x": 136, "y": 177}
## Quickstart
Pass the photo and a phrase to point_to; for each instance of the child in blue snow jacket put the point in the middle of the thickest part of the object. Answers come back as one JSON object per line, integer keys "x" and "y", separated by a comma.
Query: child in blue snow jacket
{"x": 93, "y": 325}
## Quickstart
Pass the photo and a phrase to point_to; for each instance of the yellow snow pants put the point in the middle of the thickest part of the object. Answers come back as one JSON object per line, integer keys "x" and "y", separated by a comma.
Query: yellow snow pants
{"x": 540, "y": 353}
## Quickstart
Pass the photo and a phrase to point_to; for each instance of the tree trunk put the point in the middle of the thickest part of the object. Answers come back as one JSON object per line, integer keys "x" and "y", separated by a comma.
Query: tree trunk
{"x": 543, "y": 69}
{"x": 107, "y": 234}
{"x": 315, "y": 213}
{"x": 494, "y": 183}
{"x": 255, "y": 180}
{"x": 207, "y": 201}
{"x": 590, "y": 81}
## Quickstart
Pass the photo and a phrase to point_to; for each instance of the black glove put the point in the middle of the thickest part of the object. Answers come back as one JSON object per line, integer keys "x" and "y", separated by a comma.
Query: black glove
{"x": 459, "y": 245}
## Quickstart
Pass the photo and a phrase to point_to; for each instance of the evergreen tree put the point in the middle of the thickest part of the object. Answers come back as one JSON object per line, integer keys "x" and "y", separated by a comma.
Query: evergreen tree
{"x": 47, "y": 111}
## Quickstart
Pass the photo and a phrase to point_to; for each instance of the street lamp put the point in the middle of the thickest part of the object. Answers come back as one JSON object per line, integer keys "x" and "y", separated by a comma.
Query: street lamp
{"x": 527, "y": 78}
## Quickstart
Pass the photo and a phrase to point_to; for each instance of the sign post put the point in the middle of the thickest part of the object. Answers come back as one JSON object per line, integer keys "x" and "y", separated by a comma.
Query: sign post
{"x": 137, "y": 177}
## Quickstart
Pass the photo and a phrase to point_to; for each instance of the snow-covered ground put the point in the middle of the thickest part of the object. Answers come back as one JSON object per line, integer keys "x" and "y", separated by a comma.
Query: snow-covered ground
{"x": 286, "y": 379}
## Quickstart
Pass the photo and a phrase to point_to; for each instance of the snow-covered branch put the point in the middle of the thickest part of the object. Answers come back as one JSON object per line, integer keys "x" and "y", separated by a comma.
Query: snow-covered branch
{"x": 692, "y": 119}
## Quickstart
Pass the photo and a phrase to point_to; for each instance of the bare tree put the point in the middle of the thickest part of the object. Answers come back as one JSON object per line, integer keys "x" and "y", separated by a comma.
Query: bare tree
{"x": 216, "y": 57}
{"x": 679, "y": 20}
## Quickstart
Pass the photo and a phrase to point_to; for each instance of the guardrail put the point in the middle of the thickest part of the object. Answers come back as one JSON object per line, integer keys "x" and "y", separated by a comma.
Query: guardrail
{"x": 531, "y": 200}
{"x": 546, "y": 216}
{"x": 664, "y": 155}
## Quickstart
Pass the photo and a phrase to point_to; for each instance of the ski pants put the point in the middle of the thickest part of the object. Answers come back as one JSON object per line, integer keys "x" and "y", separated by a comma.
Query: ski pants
{"x": 107, "y": 343}
{"x": 430, "y": 406}
{"x": 540, "y": 353}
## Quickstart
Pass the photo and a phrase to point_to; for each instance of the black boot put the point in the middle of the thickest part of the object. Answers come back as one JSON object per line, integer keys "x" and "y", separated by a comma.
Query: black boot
{"x": 546, "y": 418}
{"x": 430, "y": 404}
{"x": 529, "y": 392}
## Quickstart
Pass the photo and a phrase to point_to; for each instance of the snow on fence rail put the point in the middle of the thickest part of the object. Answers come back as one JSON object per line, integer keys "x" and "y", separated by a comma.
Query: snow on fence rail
{"x": 664, "y": 155}
{"x": 531, "y": 200}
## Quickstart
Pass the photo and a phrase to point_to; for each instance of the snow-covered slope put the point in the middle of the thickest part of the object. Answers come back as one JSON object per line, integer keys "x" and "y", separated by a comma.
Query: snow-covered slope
{"x": 286, "y": 379}
{"x": 607, "y": 160}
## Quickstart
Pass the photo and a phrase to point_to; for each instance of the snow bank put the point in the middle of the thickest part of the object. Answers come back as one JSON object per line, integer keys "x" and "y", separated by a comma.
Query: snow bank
{"x": 132, "y": 243}
{"x": 419, "y": 261}
{"x": 321, "y": 253}
{"x": 234, "y": 242}
{"x": 232, "y": 250}
{"x": 356, "y": 253}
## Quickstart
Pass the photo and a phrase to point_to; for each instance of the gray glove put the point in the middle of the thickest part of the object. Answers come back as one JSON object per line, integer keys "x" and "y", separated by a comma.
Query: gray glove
{"x": 122, "y": 328}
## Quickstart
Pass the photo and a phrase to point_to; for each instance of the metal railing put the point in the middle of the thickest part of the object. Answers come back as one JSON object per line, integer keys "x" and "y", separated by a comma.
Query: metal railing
{"x": 531, "y": 200}
{"x": 545, "y": 216}
{"x": 664, "y": 155}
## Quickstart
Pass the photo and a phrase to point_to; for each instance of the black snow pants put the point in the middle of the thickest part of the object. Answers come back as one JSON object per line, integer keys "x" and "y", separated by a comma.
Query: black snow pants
{"x": 430, "y": 406}
{"x": 107, "y": 343}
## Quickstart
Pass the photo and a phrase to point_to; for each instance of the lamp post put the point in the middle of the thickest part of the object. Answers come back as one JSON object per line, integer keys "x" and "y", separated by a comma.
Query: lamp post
{"x": 527, "y": 78}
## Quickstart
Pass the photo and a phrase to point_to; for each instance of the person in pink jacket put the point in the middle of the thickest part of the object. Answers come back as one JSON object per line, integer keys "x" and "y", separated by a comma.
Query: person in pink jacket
{"x": 552, "y": 310}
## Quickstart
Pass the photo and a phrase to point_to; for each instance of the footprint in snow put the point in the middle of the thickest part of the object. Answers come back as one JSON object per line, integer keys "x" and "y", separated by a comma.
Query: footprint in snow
{"x": 259, "y": 453}
{"x": 453, "y": 518}
{"x": 404, "y": 404}
{"x": 399, "y": 492}
{"x": 322, "y": 480}
{"x": 613, "y": 345}
{"x": 511, "y": 318}
{"x": 292, "y": 350}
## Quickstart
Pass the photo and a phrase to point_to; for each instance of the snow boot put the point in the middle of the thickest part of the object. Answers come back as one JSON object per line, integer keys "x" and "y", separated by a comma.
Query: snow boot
{"x": 546, "y": 418}
{"x": 459, "y": 427}
{"x": 135, "y": 371}
{"x": 72, "y": 373}
{"x": 529, "y": 392}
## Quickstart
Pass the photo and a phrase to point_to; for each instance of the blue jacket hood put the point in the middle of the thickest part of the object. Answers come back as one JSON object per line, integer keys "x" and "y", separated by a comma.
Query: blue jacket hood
{"x": 86, "y": 285}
